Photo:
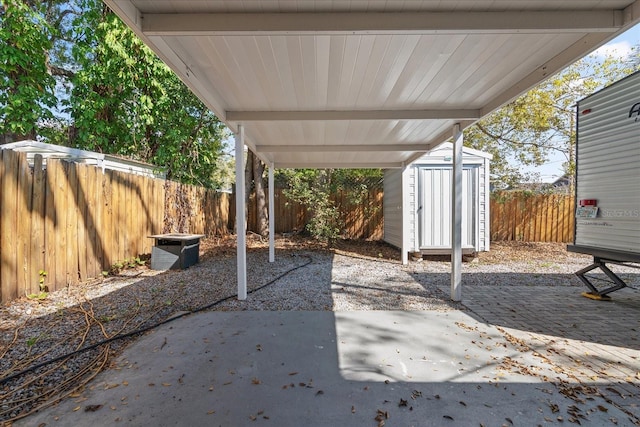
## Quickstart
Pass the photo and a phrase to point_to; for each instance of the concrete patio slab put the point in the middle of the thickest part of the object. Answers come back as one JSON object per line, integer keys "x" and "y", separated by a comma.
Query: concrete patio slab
{"x": 359, "y": 368}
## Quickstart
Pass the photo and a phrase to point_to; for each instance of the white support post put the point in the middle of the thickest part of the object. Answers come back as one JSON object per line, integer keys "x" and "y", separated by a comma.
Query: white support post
{"x": 272, "y": 218}
{"x": 456, "y": 215}
{"x": 241, "y": 233}
{"x": 404, "y": 179}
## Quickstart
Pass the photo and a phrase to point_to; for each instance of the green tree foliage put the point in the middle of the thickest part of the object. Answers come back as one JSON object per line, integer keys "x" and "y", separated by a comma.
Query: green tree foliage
{"x": 314, "y": 187}
{"x": 542, "y": 121}
{"x": 27, "y": 87}
{"x": 81, "y": 78}
{"x": 126, "y": 101}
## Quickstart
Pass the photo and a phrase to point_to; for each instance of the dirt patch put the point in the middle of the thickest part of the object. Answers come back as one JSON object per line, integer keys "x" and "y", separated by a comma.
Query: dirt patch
{"x": 500, "y": 251}
{"x": 226, "y": 246}
{"x": 528, "y": 251}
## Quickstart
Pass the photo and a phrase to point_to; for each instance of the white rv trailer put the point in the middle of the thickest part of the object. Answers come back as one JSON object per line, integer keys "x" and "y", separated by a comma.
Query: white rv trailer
{"x": 608, "y": 181}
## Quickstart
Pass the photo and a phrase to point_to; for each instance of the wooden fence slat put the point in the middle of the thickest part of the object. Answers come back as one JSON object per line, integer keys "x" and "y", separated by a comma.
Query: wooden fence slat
{"x": 72, "y": 224}
{"x": 23, "y": 225}
{"x": 8, "y": 197}
{"x": 3, "y": 208}
{"x": 38, "y": 213}
{"x": 82, "y": 223}
{"x": 59, "y": 234}
{"x": 91, "y": 252}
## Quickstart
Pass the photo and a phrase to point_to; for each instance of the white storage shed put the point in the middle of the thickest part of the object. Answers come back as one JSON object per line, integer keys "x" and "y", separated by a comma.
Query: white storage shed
{"x": 425, "y": 220}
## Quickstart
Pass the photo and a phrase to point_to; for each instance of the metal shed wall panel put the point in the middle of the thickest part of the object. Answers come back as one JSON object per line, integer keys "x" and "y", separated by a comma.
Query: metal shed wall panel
{"x": 434, "y": 210}
{"x": 608, "y": 159}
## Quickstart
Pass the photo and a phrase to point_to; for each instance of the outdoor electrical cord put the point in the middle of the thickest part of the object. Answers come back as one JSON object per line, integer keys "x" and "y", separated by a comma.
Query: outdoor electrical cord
{"x": 155, "y": 325}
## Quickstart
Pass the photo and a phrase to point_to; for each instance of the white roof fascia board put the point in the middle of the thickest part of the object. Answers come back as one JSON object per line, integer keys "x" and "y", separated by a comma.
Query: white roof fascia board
{"x": 631, "y": 14}
{"x": 453, "y": 114}
{"x": 361, "y": 23}
{"x": 338, "y": 165}
{"x": 339, "y": 148}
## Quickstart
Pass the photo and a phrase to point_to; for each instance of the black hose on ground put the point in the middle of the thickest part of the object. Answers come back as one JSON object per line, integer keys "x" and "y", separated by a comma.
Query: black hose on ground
{"x": 155, "y": 325}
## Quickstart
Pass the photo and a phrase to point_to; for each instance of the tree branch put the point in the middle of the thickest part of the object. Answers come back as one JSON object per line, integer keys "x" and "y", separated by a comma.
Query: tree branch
{"x": 54, "y": 70}
{"x": 518, "y": 143}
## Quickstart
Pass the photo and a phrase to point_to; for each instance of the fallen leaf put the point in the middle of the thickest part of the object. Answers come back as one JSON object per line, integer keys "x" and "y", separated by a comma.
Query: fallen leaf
{"x": 613, "y": 390}
{"x": 353, "y": 409}
{"x": 293, "y": 373}
{"x": 319, "y": 392}
{"x": 113, "y": 408}
{"x": 603, "y": 408}
{"x": 92, "y": 408}
{"x": 462, "y": 403}
{"x": 259, "y": 347}
{"x": 381, "y": 416}
{"x": 125, "y": 383}
{"x": 402, "y": 403}
{"x": 228, "y": 382}
{"x": 166, "y": 384}
{"x": 211, "y": 412}
{"x": 77, "y": 408}
{"x": 256, "y": 381}
{"x": 448, "y": 417}
{"x": 253, "y": 417}
{"x": 151, "y": 385}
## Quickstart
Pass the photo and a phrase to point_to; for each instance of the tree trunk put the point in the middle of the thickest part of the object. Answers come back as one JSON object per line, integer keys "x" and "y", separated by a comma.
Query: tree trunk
{"x": 262, "y": 222}
{"x": 248, "y": 178}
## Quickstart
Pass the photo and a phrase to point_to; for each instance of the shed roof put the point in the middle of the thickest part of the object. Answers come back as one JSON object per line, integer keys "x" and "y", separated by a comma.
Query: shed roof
{"x": 357, "y": 83}
{"x": 104, "y": 161}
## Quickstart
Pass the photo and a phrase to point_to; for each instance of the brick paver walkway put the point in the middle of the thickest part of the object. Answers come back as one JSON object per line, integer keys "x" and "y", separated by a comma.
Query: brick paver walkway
{"x": 595, "y": 343}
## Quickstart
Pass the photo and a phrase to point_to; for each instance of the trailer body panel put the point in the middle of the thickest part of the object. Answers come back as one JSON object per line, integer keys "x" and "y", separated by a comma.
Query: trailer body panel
{"x": 608, "y": 172}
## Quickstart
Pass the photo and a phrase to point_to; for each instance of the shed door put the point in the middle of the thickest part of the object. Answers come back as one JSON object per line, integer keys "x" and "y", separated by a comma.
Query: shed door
{"x": 434, "y": 207}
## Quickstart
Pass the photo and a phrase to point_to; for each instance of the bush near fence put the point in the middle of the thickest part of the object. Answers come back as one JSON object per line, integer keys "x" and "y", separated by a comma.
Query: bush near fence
{"x": 73, "y": 221}
{"x": 359, "y": 220}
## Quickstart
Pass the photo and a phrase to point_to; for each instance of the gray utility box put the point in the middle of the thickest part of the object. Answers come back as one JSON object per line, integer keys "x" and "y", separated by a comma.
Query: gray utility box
{"x": 175, "y": 251}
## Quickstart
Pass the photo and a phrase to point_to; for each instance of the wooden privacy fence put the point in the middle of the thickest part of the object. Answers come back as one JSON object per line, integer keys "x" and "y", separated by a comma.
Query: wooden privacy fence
{"x": 360, "y": 218}
{"x": 532, "y": 217}
{"x": 73, "y": 221}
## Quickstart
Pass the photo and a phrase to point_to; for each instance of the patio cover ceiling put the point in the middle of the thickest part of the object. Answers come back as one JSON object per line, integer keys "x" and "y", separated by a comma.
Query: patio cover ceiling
{"x": 357, "y": 83}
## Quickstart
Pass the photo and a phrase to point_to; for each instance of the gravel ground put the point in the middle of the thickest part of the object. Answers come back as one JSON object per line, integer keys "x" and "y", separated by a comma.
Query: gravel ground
{"x": 305, "y": 276}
